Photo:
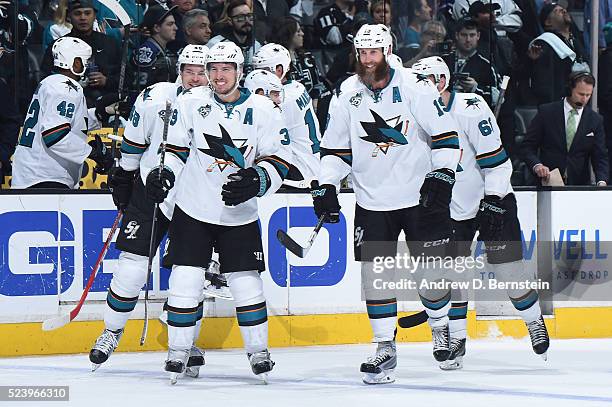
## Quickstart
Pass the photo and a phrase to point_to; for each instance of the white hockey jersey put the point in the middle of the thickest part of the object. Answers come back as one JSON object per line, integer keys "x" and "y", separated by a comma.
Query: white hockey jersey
{"x": 142, "y": 138}
{"x": 226, "y": 137}
{"x": 484, "y": 167}
{"x": 303, "y": 126}
{"x": 389, "y": 140}
{"x": 53, "y": 142}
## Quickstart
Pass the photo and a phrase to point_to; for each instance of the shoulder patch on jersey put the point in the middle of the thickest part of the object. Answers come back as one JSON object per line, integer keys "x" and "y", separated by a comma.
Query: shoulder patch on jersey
{"x": 146, "y": 94}
{"x": 146, "y": 54}
{"x": 204, "y": 110}
{"x": 473, "y": 102}
{"x": 70, "y": 86}
{"x": 420, "y": 78}
{"x": 356, "y": 99}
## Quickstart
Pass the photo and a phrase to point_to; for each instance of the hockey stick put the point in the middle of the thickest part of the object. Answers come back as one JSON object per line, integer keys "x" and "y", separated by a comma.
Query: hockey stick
{"x": 152, "y": 246}
{"x": 413, "y": 320}
{"x": 58, "y": 322}
{"x": 500, "y": 101}
{"x": 293, "y": 246}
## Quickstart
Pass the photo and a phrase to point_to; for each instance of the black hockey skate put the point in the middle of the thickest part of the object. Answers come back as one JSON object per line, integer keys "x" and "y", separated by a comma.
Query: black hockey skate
{"x": 457, "y": 352}
{"x": 195, "y": 361}
{"x": 176, "y": 363}
{"x": 441, "y": 342}
{"x": 261, "y": 364}
{"x": 539, "y": 337}
{"x": 106, "y": 343}
{"x": 380, "y": 368}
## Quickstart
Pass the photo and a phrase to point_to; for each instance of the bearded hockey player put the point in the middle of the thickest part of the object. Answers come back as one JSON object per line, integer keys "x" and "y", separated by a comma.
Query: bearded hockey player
{"x": 236, "y": 156}
{"x": 298, "y": 114}
{"x": 53, "y": 144}
{"x": 391, "y": 134}
{"x": 483, "y": 200}
{"x": 137, "y": 188}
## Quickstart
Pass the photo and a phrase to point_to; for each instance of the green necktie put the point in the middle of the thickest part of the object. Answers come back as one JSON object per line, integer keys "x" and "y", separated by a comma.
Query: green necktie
{"x": 570, "y": 128}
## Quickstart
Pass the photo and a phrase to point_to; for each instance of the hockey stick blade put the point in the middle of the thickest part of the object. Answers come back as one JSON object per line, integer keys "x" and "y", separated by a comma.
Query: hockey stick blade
{"x": 56, "y": 322}
{"x": 413, "y": 320}
{"x": 289, "y": 243}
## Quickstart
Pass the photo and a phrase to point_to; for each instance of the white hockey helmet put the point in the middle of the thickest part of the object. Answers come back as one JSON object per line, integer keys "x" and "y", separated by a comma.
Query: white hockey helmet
{"x": 264, "y": 80}
{"x": 270, "y": 56}
{"x": 433, "y": 66}
{"x": 192, "y": 55}
{"x": 374, "y": 36}
{"x": 66, "y": 49}
{"x": 227, "y": 52}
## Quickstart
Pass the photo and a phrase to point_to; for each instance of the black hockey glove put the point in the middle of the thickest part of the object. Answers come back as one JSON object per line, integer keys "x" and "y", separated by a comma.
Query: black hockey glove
{"x": 101, "y": 155}
{"x": 121, "y": 182}
{"x": 490, "y": 217}
{"x": 108, "y": 105}
{"x": 437, "y": 189}
{"x": 325, "y": 201}
{"x": 245, "y": 184}
{"x": 158, "y": 186}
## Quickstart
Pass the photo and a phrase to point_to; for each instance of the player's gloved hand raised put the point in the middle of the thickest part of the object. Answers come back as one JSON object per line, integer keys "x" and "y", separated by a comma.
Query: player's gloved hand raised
{"x": 101, "y": 155}
{"x": 158, "y": 186}
{"x": 108, "y": 105}
{"x": 437, "y": 189}
{"x": 121, "y": 183}
{"x": 325, "y": 200}
{"x": 490, "y": 217}
{"x": 245, "y": 184}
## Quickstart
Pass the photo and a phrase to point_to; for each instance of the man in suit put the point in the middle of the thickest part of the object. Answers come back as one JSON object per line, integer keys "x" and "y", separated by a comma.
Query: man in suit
{"x": 568, "y": 135}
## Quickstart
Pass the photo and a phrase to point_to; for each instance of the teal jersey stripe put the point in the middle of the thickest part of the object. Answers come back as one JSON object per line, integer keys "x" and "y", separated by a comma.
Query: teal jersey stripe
{"x": 53, "y": 138}
{"x": 382, "y": 309}
{"x": 450, "y": 142}
{"x": 250, "y": 316}
{"x": 345, "y": 155}
{"x": 491, "y": 160}
{"x": 458, "y": 311}
{"x": 132, "y": 149}
{"x": 525, "y": 302}
{"x": 182, "y": 318}
{"x": 120, "y": 305}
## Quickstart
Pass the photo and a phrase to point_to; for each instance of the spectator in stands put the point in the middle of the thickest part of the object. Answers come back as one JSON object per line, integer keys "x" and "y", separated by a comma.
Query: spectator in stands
{"x": 239, "y": 29}
{"x": 304, "y": 68}
{"x": 345, "y": 61}
{"x": 605, "y": 17}
{"x": 197, "y": 27}
{"x": 152, "y": 62}
{"x": 419, "y": 13}
{"x": 605, "y": 88}
{"x": 432, "y": 36}
{"x": 102, "y": 76}
{"x": 334, "y": 24}
{"x": 561, "y": 53}
{"x": 182, "y": 7}
{"x": 10, "y": 122}
{"x": 109, "y": 24}
{"x": 60, "y": 27}
{"x": 380, "y": 12}
{"x": 267, "y": 14}
{"x": 568, "y": 135}
{"x": 478, "y": 74}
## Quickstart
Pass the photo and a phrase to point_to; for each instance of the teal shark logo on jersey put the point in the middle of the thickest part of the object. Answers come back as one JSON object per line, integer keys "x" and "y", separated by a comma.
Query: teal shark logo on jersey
{"x": 473, "y": 102}
{"x": 71, "y": 86}
{"x": 146, "y": 94}
{"x": 382, "y": 134}
{"x": 224, "y": 151}
{"x": 421, "y": 78}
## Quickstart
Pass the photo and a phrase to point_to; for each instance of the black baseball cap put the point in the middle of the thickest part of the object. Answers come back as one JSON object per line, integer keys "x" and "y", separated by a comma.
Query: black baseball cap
{"x": 479, "y": 7}
{"x": 75, "y": 4}
{"x": 155, "y": 15}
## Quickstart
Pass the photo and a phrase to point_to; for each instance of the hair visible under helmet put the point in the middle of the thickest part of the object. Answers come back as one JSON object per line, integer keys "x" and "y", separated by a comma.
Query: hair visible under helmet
{"x": 192, "y": 55}
{"x": 433, "y": 66}
{"x": 226, "y": 52}
{"x": 270, "y": 56}
{"x": 66, "y": 49}
{"x": 374, "y": 36}
{"x": 264, "y": 80}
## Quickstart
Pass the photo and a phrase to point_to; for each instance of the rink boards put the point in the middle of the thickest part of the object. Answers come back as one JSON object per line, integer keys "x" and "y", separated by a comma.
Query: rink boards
{"x": 49, "y": 245}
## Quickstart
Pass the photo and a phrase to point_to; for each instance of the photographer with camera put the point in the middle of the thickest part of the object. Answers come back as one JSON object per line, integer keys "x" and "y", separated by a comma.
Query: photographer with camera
{"x": 472, "y": 71}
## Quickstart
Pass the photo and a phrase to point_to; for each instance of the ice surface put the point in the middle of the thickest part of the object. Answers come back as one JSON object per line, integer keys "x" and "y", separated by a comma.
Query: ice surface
{"x": 495, "y": 374}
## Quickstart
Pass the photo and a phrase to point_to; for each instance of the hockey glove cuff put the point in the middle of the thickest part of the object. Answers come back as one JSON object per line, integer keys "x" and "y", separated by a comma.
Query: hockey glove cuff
{"x": 490, "y": 217}
{"x": 109, "y": 105}
{"x": 121, "y": 182}
{"x": 437, "y": 189}
{"x": 158, "y": 185}
{"x": 325, "y": 201}
{"x": 101, "y": 155}
{"x": 245, "y": 184}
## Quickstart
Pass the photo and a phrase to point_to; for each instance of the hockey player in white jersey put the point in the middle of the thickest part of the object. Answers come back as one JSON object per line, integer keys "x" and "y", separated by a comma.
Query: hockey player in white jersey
{"x": 298, "y": 114}
{"x": 267, "y": 84}
{"x": 483, "y": 200}
{"x": 392, "y": 136}
{"x": 136, "y": 188}
{"x": 236, "y": 155}
{"x": 53, "y": 143}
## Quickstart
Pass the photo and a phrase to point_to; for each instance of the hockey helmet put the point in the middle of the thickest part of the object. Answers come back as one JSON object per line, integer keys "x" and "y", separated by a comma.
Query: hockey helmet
{"x": 433, "y": 66}
{"x": 192, "y": 55}
{"x": 66, "y": 49}
{"x": 264, "y": 80}
{"x": 270, "y": 56}
{"x": 374, "y": 36}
